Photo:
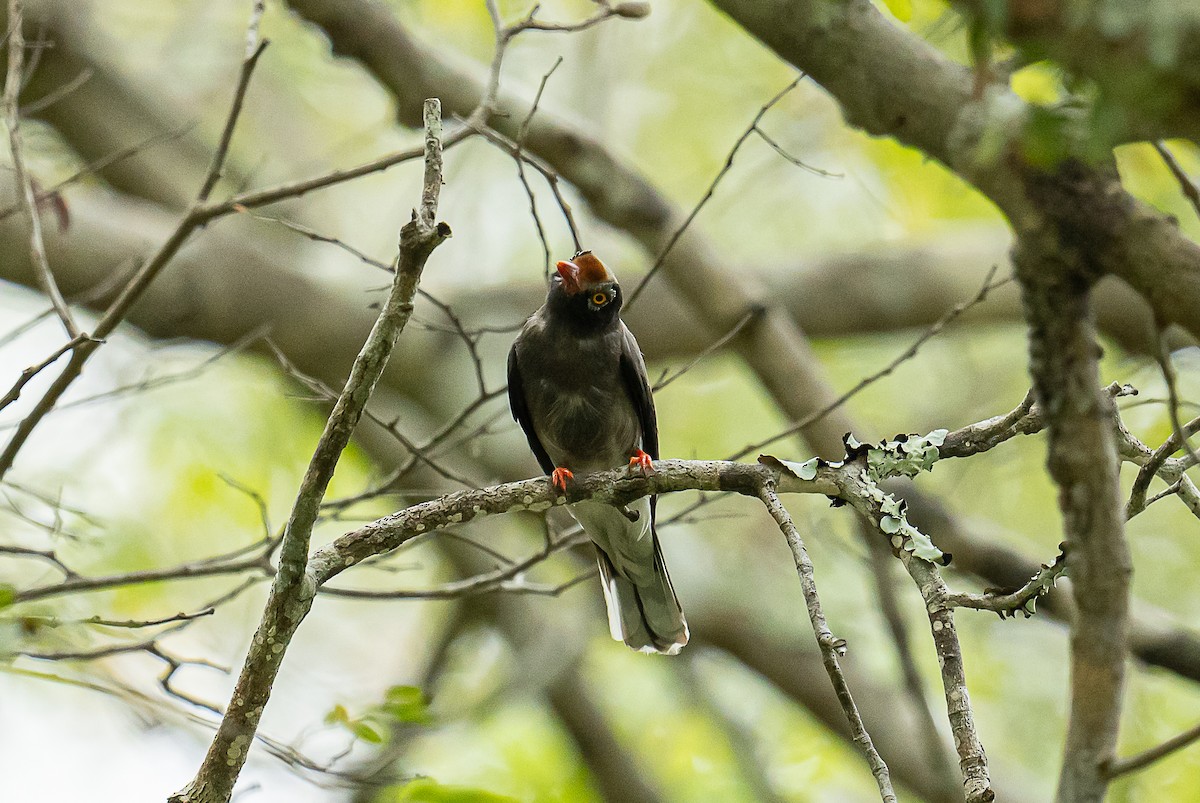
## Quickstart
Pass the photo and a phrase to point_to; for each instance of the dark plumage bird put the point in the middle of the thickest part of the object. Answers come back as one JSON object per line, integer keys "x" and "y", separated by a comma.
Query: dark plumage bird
{"x": 577, "y": 385}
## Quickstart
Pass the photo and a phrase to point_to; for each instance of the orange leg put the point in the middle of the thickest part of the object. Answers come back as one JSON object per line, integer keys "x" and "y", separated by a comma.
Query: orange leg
{"x": 641, "y": 461}
{"x": 559, "y": 478}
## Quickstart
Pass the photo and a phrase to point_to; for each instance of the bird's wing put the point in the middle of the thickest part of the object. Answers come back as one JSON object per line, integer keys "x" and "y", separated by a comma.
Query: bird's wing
{"x": 637, "y": 385}
{"x": 520, "y": 411}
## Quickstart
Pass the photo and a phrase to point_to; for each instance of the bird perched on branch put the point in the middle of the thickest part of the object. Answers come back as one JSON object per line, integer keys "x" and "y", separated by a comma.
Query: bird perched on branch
{"x": 577, "y": 385}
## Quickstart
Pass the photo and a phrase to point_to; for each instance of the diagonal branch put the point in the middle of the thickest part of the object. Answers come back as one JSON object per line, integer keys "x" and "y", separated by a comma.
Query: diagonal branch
{"x": 292, "y": 590}
{"x": 25, "y": 190}
{"x": 1124, "y": 766}
{"x": 135, "y": 287}
{"x": 832, "y": 648}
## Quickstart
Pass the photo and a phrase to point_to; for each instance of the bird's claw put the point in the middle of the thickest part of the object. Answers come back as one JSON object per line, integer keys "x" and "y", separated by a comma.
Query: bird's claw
{"x": 641, "y": 462}
{"x": 559, "y": 478}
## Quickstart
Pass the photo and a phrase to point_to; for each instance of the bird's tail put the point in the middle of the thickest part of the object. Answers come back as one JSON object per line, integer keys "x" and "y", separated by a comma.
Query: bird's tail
{"x": 644, "y": 614}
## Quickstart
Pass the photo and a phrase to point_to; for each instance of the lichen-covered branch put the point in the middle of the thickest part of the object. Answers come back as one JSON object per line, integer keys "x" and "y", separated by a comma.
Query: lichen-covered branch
{"x": 861, "y": 491}
{"x": 1023, "y": 599}
{"x": 292, "y": 590}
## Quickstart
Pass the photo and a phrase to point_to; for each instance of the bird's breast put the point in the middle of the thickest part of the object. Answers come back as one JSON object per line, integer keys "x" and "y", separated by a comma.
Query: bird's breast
{"x": 577, "y": 399}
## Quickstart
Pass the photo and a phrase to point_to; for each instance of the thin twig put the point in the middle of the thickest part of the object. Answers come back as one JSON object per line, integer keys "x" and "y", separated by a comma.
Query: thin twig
{"x": 29, "y": 373}
{"x": 209, "y": 567}
{"x": 1186, "y": 185}
{"x": 832, "y": 648}
{"x": 25, "y": 191}
{"x": 520, "y": 144}
{"x": 50, "y": 98}
{"x": 715, "y": 346}
{"x": 708, "y": 193}
{"x": 217, "y": 164}
{"x": 252, "y": 199}
{"x": 940, "y": 324}
{"x": 328, "y": 394}
{"x": 133, "y": 290}
{"x": 552, "y": 179}
{"x": 1124, "y": 766}
{"x": 1163, "y": 356}
{"x": 95, "y": 166}
{"x": 507, "y": 579}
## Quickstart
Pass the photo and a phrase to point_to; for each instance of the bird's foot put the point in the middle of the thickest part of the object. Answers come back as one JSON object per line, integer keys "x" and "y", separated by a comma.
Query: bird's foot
{"x": 559, "y": 478}
{"x": 641, "y": 462}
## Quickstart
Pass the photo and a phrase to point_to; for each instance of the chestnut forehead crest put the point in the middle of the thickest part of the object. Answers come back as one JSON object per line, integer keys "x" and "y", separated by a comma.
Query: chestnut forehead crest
{"x": 591, "y": 269}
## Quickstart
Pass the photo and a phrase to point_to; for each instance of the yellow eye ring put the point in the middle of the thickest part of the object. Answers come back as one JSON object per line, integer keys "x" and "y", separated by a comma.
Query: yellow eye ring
{"x": 600, "y": 299}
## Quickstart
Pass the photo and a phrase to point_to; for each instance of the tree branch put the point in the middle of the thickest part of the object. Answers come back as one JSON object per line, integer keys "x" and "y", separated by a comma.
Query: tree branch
{"x": 901, "y": 87}
{"x": 1083, "y": 463}
{"x": 292, "y": 590}
{"x": 831, "y": 647}
{"x": 28, "y": 197}
{"x": 1142, "y": 58}
{"x": 1124, "y": 766}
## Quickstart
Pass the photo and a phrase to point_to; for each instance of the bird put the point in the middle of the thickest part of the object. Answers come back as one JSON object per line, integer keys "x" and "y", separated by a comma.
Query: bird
{"x": 577, "y": 385}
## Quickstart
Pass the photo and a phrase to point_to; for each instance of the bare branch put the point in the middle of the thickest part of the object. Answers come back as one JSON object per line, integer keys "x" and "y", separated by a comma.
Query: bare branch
{"x": 867, "y": 381}
{"x": 522, "y": 132}
{"x": 205, "y": 568}
{"x": 507, "y": 579}
{"x": 93, "y": 167}
{"x": 716, "y": 346}
{"x": 29, "y": 373}
{"x": 832, "y": 648}
{"x": 1186, "y": 185}
{"x": 291, "y": 591}
{"x": 514, "y": 150}
{"x": 25, "y": 191}
{"x": 1124, "y": 766}
{"x": 1083, "y": 463}
{"x": 708, "y": 193}
{"x": 1163, "y": 357}
{"x": 136, "y": 285}
{"x": 235, "y": 111}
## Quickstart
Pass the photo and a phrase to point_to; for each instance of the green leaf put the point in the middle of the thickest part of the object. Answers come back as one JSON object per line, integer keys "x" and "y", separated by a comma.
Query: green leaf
{"x": 7, "y": 595}
{"x": 364, "y": 731}
{"x": 901, "y": 9}
{"x": 339, "y": 715}
{"x": 427, "y": 790}
{"x": 406, "y": 704}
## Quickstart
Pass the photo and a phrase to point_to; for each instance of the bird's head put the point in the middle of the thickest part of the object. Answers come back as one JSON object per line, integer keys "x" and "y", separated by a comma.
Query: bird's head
{"x": 585, "y": 293}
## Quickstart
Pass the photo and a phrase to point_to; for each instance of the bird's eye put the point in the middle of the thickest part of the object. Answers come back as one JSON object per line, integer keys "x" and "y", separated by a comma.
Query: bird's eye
{"x": 600, "y": 299}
